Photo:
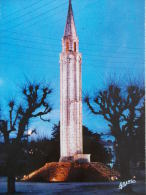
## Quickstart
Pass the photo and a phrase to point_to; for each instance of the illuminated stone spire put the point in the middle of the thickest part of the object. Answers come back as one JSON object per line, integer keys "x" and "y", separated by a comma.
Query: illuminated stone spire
{"x": 71, "y": 135}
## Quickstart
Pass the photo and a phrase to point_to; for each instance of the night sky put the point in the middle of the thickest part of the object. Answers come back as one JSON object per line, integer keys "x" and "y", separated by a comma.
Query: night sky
{"x": 111, "y": 40}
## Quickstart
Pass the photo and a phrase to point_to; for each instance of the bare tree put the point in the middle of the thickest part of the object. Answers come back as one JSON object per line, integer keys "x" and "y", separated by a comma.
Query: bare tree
{"x": 35, "y": 104}
{"x": 120, "y": 109}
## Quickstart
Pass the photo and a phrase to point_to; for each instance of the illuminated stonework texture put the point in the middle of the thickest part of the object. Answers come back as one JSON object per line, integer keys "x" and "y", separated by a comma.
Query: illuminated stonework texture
{"x": 71, "y": 138}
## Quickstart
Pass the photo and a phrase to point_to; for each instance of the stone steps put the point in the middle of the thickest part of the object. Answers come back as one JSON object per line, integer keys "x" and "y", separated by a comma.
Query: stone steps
{"x": 67, "y": 172}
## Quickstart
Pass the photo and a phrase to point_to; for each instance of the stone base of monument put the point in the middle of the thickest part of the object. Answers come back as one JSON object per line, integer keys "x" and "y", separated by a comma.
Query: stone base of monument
{"x": 72, "y": 172}
{"x": 79, "y": 158}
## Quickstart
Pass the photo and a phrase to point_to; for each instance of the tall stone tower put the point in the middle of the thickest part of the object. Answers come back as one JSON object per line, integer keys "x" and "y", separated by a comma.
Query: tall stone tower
{"x": 71, "y": 138}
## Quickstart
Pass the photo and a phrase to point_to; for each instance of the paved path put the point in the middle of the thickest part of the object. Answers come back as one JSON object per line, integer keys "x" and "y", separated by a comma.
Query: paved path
{"x": 71, "y": 188}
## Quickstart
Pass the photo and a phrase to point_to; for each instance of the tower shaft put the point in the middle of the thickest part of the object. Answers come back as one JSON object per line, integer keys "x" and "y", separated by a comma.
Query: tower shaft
{"x": 71, "y": 138}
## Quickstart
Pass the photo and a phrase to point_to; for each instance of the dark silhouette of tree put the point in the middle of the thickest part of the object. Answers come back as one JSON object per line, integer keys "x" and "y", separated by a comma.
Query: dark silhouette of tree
{"x": 121, "y": 110}
{"x": 35, "y": 104}
{"x": 37, "y": 154}
{"x": 139, "y": 141}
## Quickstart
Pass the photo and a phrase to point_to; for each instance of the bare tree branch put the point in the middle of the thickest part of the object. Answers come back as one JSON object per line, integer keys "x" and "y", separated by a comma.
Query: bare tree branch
{"x": 86, "y": 100}
{"x": 45, "y": 120}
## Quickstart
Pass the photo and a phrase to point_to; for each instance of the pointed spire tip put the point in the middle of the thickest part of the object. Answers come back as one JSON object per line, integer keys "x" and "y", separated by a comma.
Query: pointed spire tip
{"x": 70, "y": 25}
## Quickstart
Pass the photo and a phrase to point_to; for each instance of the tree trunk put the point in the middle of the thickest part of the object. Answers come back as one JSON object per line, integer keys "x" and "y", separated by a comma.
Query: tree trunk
{"x": 11, "y": 184}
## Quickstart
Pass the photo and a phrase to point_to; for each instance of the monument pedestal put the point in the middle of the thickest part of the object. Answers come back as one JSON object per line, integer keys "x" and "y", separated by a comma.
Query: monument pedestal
{"x": 80, "y": 158}
{"x": 72, "y": 172}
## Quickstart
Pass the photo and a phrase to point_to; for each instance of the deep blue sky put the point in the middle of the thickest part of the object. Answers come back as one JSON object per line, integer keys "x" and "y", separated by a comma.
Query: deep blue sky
{"x": 111, "y": 35}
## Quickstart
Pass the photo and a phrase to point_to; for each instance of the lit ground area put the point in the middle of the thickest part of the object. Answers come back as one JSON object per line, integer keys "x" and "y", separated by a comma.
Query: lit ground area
{"x": 71, "y": 188}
